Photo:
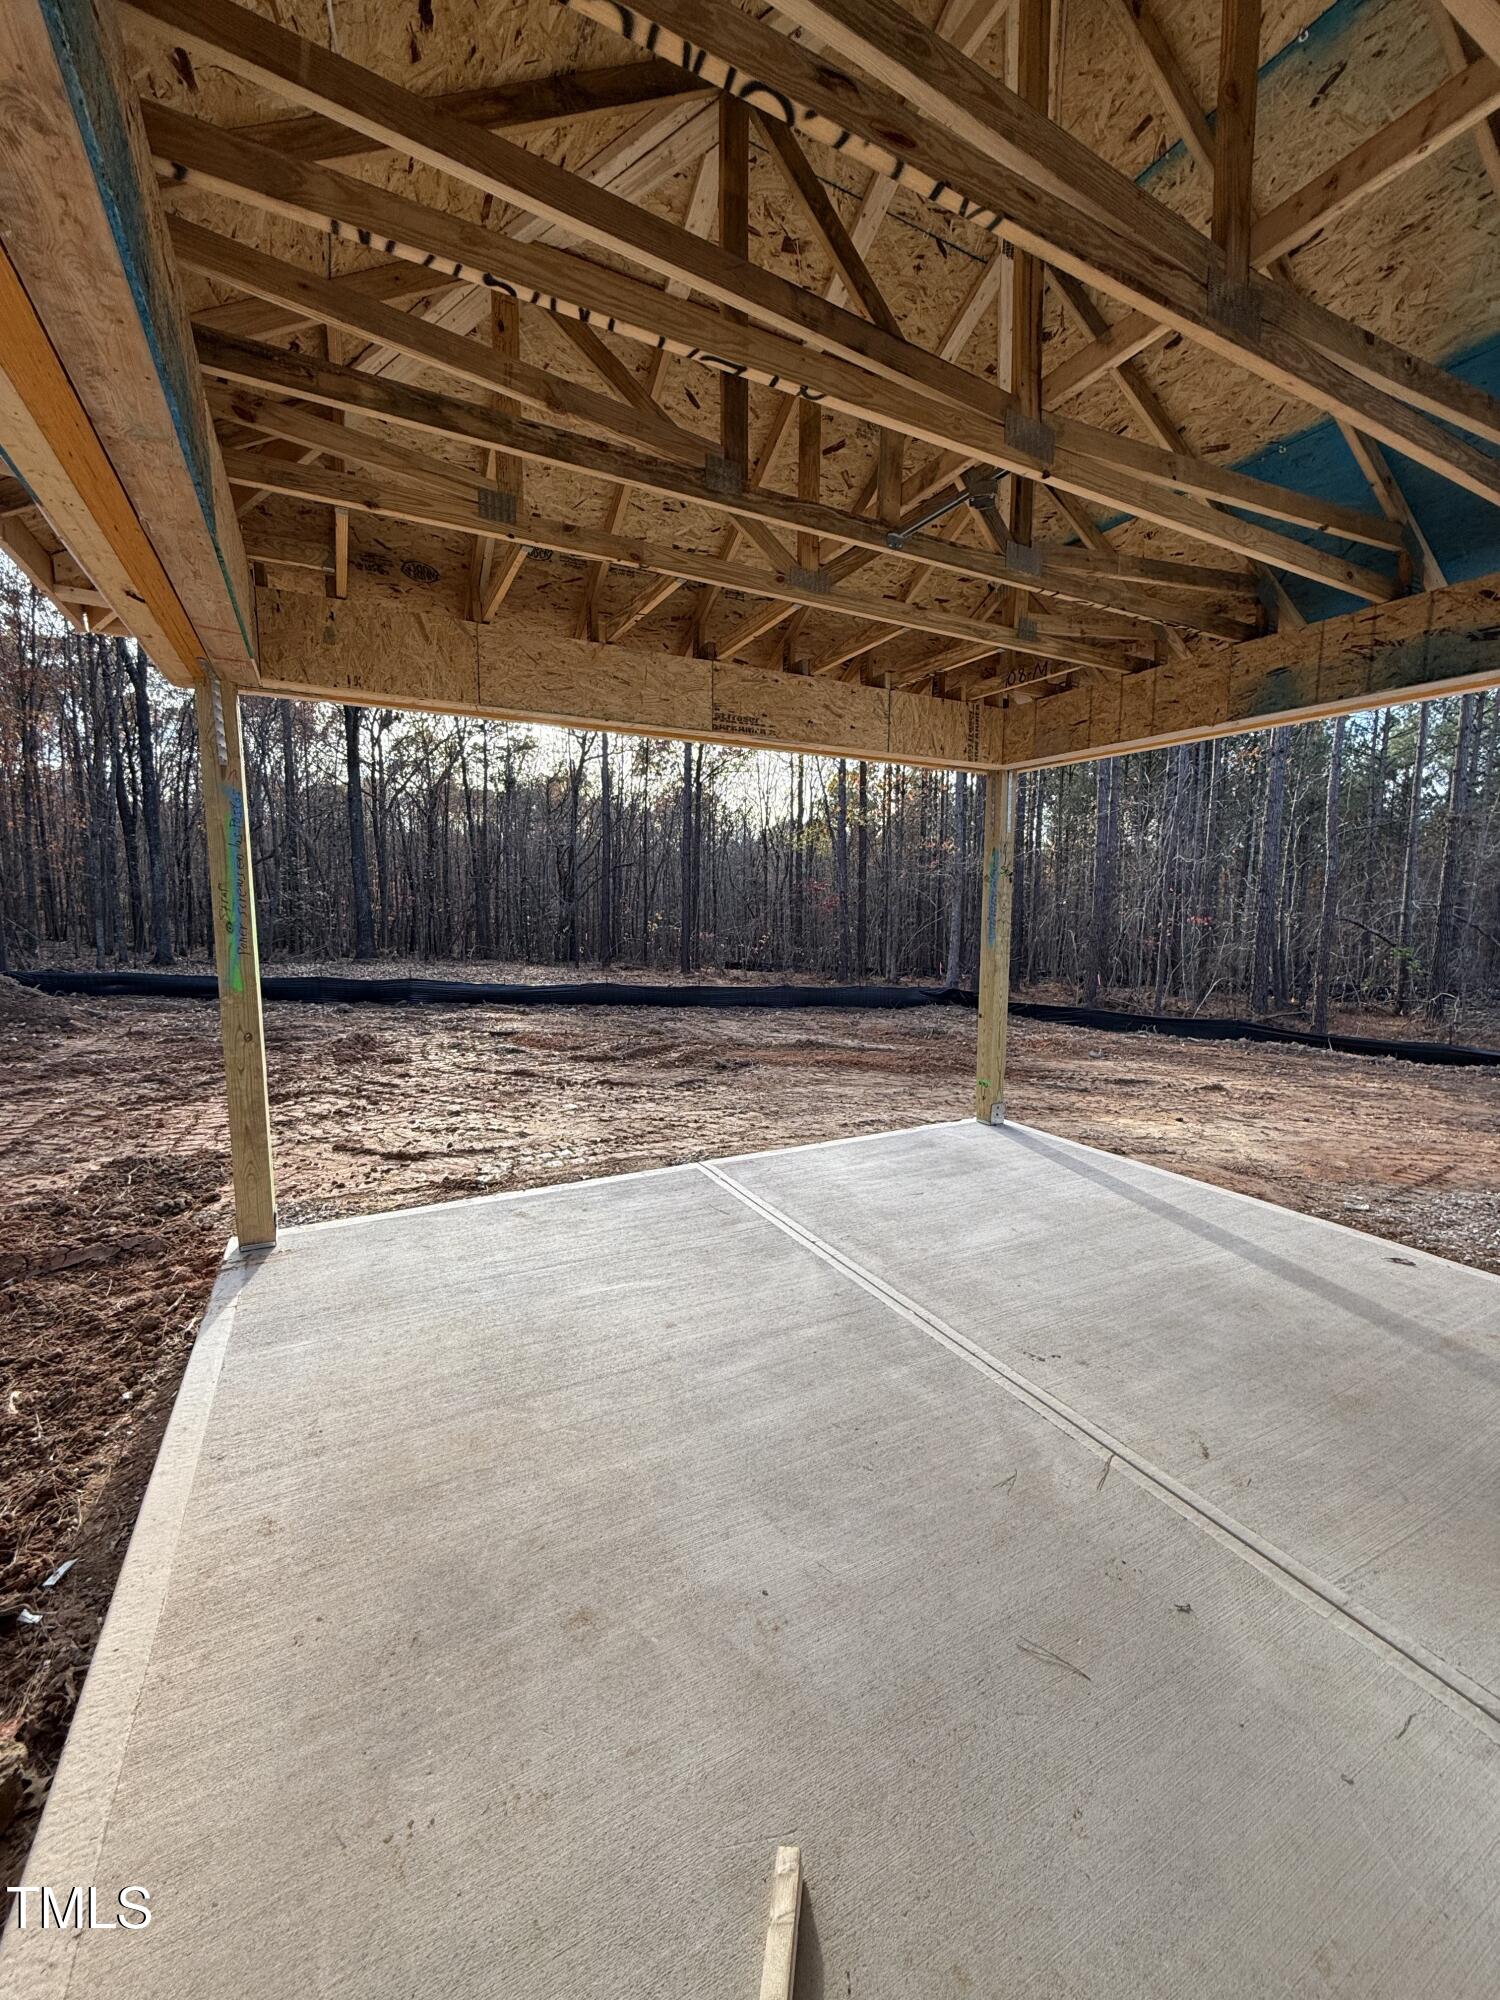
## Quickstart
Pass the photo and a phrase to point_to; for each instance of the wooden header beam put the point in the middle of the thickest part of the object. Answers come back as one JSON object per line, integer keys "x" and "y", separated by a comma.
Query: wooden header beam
{"x": 1446, "y": 641}
{"x": 366, "y": 649}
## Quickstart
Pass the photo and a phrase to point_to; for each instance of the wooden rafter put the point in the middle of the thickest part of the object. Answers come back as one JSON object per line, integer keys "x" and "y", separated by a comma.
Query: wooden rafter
{"x": 448, "y": 498}
{"x": 641, "y": 312}
{"x": 489, "y": 580}
{"x": 1211, "y": 608}
{"x": 1151, "y": 485}
{"x": 534, "y": 104}
{"x": 734, "y": 240}
{"x": 976, "y": 149}
{"x": 827, "y": 223}
{"x": 436, "y": 347}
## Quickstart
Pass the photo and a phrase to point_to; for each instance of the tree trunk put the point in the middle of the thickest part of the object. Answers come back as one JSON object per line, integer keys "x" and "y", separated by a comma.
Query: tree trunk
{"x": 606, "y": 948}
{"x": 1329, "y": 914}
{"x": 1100, "y": 934}
{"x": 841, "y": 859}
{"x": 685, "y": 886}
{"x": 862, "y": 872}
{"x": 359, "y": 866}
{"x": 156, "y": 861}
{"x": 1411, "y": 856}
{"x": 957, "y": 892}
{"x": 1263, "y": 979}
{"x": 1441, "y": 993}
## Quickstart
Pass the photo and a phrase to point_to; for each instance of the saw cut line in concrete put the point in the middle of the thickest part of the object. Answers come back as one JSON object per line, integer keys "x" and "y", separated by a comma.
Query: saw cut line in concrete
{"x": 1467, "y": 1696}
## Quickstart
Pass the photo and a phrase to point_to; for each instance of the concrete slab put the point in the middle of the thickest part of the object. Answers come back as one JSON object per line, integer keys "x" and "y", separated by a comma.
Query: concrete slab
{"x": 519, "y": 1573}
{"x": 1336, "y": 1394}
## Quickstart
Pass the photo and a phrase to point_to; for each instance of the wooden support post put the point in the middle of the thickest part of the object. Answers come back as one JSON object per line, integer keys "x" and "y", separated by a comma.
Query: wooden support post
{"x": 810, "y": 475}
{"x": 232, "y": 880}
{"x": 1234, "y": 137}
{"x": 996, "y": 883}
{"x": 734, "y": 235}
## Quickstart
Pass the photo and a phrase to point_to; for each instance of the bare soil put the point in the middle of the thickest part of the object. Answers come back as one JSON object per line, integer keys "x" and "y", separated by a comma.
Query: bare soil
{"x": 115, "y": 1207}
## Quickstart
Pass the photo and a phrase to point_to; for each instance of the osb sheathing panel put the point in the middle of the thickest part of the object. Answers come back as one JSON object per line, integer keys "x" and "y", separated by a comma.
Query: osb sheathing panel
{"x": 421, "y": 656}
{"x": 1419, "y": 263}
{"x": 1424, "y": 644}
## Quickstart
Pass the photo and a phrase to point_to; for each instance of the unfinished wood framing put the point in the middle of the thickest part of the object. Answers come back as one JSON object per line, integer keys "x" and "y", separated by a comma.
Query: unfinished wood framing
{"x": 710, "y": 388}
{"x": 90, "y": 276}
{"x": 237, "y": 958}
{"x": 580, "y": 242}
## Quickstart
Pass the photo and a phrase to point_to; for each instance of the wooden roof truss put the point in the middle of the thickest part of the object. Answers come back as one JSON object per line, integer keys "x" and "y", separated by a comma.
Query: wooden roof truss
{"x": 1037, "y": 568}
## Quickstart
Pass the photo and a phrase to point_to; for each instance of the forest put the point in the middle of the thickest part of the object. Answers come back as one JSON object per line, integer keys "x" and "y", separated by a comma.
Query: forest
{"x": 1350, "y": 865}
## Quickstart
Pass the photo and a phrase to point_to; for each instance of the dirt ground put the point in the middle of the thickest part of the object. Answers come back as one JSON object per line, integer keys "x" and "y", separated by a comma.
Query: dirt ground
{"x": 115, "y": 1208}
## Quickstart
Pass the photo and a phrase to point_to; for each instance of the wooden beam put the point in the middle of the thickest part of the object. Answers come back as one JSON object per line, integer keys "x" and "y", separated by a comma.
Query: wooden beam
{"x": 1218, "y": 603}
{"x": 237, "y": 956}
{"x": 734, "y": 237}
{"x": 1234, "y": 137}
{"x": 39, "y": 567}
{"x": 339, "y": 582}
{"x": 1440, "y": 642}
{"x": 405, "y": 655}
{"x": 333, "y": 303}
{"x": 608, "y": 366}
{"x": 809, "y": 475}
{"x": 827, "y": 223}
{"x": 1465, "y": 103}
{"x": 1461, "y": 103}
{"x": 96, "y": 344}
{"x": 1021, "y": 354}
{"x": 651, "y": 150}
{"x": 1480, "y": 19}
{"x": 641, "y": 156}
{"x": 502, "y": 468}
{"x": 1373, "y": 463}
{"x": 1171, "y": 81}
{"x": 975, "y": 149}
{"x": 535, "y": 104}
{"x": 996, "y": 882}
{"x": 972, "y": 420}
{"x": 439, "y": 502}
{"x": 271, "y": 56}
{"x": 614, "y": 513}
{"x": 1459, "y": 51}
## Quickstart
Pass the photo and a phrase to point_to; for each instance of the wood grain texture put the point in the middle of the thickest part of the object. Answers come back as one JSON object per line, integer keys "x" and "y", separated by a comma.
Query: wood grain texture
{"x": 368, "y": 649}
{"x": 1441, "y": 642}
{"x": 83, "y": 229}
{"x": 49, "y": 438}
{"x": 237, "y": 957}
{"x": 779, "y": 1969}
